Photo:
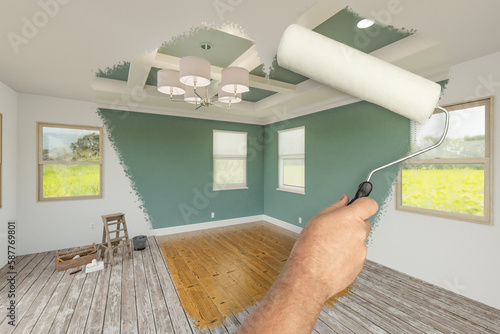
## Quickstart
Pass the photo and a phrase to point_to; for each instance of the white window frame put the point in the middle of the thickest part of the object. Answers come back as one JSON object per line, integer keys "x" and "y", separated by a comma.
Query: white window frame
{"x": 41, "y": 162}
{"x": 487, "y": 161}
{"x": 218, "y": 187}
{"x": 281, "y": 160}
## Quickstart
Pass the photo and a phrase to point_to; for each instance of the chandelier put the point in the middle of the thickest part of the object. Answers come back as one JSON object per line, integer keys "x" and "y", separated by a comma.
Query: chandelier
{"x": 193, "y": 78}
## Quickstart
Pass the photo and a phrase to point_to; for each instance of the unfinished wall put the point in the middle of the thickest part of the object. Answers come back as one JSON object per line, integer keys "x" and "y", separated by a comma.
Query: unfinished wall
{"x": 460, "y": 256}
{"x": 8, "y": 107}
{"x": 55, "y": 225}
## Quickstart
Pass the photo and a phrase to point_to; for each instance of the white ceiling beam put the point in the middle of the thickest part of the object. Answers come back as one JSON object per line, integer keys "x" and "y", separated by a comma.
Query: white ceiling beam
{"x": 403, "y": 48}
{"x": 117, "y": 92}
{"x": 139, "y": 70}
{"x": 319, "y": 13}
{"x": 249, "y": 59}
{"x": 166, "y": 61}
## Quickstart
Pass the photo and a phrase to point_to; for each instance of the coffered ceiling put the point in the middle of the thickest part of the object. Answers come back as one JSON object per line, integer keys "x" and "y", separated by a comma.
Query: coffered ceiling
{"x": 109, "y": 52}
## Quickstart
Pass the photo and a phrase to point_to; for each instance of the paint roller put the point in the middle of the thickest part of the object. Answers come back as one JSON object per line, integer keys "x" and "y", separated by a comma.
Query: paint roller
{"x": 361, "y": 75}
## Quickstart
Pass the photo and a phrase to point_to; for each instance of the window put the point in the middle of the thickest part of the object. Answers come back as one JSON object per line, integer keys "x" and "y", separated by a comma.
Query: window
{"x": 230, "y": 160}
{"x": 69, "y": 162}
{"x": 292, "y": 160}
{"x": 455, "y": 179}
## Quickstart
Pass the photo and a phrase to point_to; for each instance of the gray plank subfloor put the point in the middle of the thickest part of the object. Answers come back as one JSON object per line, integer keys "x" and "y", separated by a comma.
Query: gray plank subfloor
{"x": 137, "y": 296}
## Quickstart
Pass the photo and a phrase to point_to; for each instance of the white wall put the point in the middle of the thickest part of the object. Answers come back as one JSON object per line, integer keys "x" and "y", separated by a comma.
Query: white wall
{"x": 8, "y": 107}
{"x": 54, "y": 225}
{"x": 460, "y": 256}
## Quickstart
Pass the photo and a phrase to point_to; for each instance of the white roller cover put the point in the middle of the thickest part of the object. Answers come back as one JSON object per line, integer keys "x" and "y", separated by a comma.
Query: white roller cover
{"x": 356, "y": 73}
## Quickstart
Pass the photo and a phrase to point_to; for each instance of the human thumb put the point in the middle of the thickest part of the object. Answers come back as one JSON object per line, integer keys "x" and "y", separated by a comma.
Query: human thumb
{"x": 343, "y": 201}
{"x": 364, "y": 207}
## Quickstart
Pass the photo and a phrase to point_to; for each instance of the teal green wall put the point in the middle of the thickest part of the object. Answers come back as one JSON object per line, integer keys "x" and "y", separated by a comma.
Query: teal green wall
{"x": 169, "y": 161}
{"x": 342, "y": 146}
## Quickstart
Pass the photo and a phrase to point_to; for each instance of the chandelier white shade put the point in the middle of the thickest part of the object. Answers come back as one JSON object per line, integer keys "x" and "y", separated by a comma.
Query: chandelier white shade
{"x": 194, "y": 71}
{"x": 191, "y": 97}
{"x": 193, "y": 79}
{"x": 226, "y": 97}
{"x": 235, "y": 80}
{"x": 168, "y": 82}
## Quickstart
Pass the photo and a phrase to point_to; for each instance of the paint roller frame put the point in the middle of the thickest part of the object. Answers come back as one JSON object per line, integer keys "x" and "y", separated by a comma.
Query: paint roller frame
{"x": 363, "y": 76}
{"x": 366, "y": 187}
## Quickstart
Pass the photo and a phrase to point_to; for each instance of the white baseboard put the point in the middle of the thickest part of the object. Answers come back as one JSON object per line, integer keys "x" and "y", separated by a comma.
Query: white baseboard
{"x": 281, "y": 223}
{"x": 207, "y": 225}
{"x": 226, "y": 222}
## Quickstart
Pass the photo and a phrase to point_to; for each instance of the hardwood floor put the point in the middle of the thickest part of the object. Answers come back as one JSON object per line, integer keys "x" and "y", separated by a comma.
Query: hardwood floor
{"x": 220, "y": 274}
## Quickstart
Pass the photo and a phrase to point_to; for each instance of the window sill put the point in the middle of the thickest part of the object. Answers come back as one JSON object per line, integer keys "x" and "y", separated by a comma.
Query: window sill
{"x": 229, "y": 188}
{"x": 483, "y": 220}
{"x": 295, "y": 191}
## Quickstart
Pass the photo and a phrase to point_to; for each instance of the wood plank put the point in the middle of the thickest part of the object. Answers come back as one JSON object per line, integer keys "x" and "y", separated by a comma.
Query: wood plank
{"x": 360, "y": 306}
{"x": 433, "y": 289}
{"x": 424, "y": 314}
{"x": 231, "y": 323}
{"x": 17, "y": 261}
{"x": 145, "y": 317}
{"x": 279, "y": 254}
{"x": 20, "y": 277}
{"x": 220, "y": 298}
{"x": 218, "y": 265}
{"x": 219, "y": 329}
{"x": 129, "y": 308}
{"x": 360, "y": 319}
{"x": 258, "y": 281}
{"x": 321, "y": 327}
{"x": 281, "y": 230}
{"x": 162, "y": 317}
{"x": 345, "y": 320}
{"x": 242, "y": 249}
{"x": 112, "y": 321}
{"x": 390, "y": 307}
{"x": 225, "y": 272}
{"x": 63, "y": 318}
{"x": 97, "y": 311}
{"x": 446, "y": 299}
{"x": 336, "y": 326}
{"x": 29, "y": 275}
{"x": 242, "y": 316}
{"x": 52, "y": 308}
{"x": 424, "y": 317}
{"x": 180, "y": 322}
{"x": 263, "y": 233}
{"x": 82, "y": 308}
{"x": 26, "y": 296}
{"x": 37, "y": 307}
{"x": 470, "y": 322}
{"x": 20, "y": 262}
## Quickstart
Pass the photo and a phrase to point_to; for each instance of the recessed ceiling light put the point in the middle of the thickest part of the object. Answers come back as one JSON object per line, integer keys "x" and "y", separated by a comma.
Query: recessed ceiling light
{"x": 365, "y": 23}
{"x": 206, "y": 46}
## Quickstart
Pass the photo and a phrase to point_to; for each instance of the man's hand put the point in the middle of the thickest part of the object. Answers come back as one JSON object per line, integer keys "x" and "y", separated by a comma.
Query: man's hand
{"x": 326, "y": 258}
{"x": 331, "y": 250}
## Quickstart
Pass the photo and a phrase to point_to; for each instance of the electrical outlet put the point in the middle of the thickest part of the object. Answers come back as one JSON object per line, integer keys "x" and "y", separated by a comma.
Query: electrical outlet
{"x": 212, "y": 215}
{"x": 300, "y": 220}
{"x": 92, "y": 226}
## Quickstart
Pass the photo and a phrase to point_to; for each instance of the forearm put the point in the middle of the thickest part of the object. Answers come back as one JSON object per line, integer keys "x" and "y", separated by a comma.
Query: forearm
{"x": 325, "y": 259}
{"x": 292, "y": 305}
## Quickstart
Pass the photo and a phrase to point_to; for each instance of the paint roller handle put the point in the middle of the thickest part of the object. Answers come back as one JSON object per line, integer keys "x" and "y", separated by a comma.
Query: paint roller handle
{"x": 364, "y": 190}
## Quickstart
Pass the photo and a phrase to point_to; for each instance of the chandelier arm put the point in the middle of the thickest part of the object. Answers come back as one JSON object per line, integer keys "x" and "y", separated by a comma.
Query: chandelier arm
{"x": 203, "y": 99}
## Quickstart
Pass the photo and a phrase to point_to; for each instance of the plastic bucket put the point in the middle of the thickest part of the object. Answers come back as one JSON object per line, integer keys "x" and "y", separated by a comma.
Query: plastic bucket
{"x": 139, "y": 242}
